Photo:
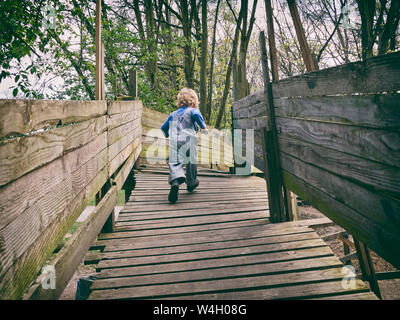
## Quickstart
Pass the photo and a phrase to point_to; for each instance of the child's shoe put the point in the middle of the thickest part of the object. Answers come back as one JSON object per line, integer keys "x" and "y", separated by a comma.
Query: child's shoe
{"x": 173, "y": 193}
{"x": 191, "y": 188}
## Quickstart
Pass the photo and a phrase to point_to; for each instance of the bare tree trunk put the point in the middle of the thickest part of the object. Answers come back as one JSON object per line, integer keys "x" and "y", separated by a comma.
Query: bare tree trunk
{"x": 229, "y": 72}
{"x": 203, "y": 58}
{"x": 210, "y": 80}
{"x": 390, "y": 27}
{"x": 305, "y": 49}
{"x": 367, "y": 12}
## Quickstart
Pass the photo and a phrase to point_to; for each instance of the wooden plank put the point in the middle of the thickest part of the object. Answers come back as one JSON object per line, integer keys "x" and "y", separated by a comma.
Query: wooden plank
{"x": 218, "y": 273}
{"x": 47, "y": 182}
{"x": 116, "y": 162}
{"x": 180, "y": 222}
{"x": 52, "y": 200}
{"x": 21, "y": 155}
{"x": 374, "y": 75}
{"x": 209, "y": 254}
{"x": 303, "y": 291}
{"x": 237, "y": 285}
{"x": 376, "y": 208}
{"x": 16, "y": 279}
{"x": 236, "y": 278}
{"x": 251, "y": 123}
{"x": 184, "y": 229}
{"x": 115, "y": 120}
{"x": 354, "y": 296}
{"x": 68, "y": 259}
{"x": 198, "y": 212}
{"x": 121, "y": 144}
{"x": 269, "y": 235}
{"x": 19, "y": 116}
{"x": 115, "y": 107}
{"x": 253, "y": 99}
{"x": 186, "y": 247}
{"x": 373, "y": 144}
{"x": 210, "y": 264}
{"x": 120, "y": 178}
{"x": 121, "y": 131}
{"x": 376, "y": 111}
{"x": 377, "y": 238}
{"x": 377, "y": 176}
{"x": 247, "y": 204}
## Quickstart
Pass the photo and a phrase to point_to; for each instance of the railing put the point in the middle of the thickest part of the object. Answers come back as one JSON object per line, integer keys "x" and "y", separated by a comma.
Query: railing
{"x": 338, "y": 136}
{"x": 55, "y": 157}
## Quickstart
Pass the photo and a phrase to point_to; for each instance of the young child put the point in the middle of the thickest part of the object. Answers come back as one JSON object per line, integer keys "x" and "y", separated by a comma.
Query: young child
{"x": 181, "y": 127}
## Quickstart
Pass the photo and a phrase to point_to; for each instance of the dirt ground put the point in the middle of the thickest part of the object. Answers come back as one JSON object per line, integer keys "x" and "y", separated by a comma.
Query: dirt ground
{"x": 390, "y": 289}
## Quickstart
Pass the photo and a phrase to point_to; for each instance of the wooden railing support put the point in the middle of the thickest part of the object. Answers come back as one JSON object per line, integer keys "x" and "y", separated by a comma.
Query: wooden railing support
{"x": 273, "y": 173}
{"x": 367, "y": 266}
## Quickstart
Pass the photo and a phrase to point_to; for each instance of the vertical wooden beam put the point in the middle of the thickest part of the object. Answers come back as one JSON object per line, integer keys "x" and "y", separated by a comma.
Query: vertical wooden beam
{"x": 133, "y": 86}
{"x": 366, "y": 266}
{"x": 305, "y": 49}
{"x": 289, "y": 197}
{"x": 99, "y": 90}
{"x": 273, "y": 173}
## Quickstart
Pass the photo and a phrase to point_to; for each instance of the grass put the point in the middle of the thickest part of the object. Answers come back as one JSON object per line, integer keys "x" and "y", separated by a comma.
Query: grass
{"x": 120, "y": 199}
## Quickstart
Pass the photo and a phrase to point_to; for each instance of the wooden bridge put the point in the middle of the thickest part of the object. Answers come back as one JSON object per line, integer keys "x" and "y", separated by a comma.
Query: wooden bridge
{"x": 330, "y": 136}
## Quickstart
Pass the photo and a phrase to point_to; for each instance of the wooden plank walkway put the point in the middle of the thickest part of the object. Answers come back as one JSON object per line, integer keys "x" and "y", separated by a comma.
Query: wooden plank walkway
{"x": 215, "y": 243}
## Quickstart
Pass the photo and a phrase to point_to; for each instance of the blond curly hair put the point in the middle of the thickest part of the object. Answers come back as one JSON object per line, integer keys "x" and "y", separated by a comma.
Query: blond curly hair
{"x": 187, "y": 97}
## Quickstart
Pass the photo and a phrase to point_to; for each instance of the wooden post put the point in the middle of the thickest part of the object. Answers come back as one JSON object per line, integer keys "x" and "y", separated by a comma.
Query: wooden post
{"x": 273, "y": 173}
{"x": 99, "y": 91}
{"x": 305, "y": 49}
{"x": 129, "y": 185}
{"x": 366, "y": 266}
{"x": 133, "y": 86}
{"x": 289, "y": 197}
{"x": 110, "y": 222}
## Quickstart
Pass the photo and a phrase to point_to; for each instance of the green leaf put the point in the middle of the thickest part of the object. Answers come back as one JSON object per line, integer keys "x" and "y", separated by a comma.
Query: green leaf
{"x": 15, "y": 92}
{"x": 17, "y": 78}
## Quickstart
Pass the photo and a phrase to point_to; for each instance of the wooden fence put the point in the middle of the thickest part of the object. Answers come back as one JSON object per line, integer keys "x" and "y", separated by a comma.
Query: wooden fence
{"x": 338, "y": 134}
{"x": 55, "y": 157}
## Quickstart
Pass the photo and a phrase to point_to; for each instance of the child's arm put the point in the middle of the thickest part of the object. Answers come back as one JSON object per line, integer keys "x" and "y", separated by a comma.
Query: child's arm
{"x": 198, "y": 119}
{"x": 165, "y": 126}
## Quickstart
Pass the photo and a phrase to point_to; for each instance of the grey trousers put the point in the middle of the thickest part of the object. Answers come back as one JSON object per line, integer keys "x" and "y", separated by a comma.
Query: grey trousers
{"x": 178, "y": 176}
{"x": 176, "y": 163}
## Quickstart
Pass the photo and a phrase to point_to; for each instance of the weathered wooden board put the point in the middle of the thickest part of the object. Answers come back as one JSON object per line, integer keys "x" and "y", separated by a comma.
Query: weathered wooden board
{"x": 22, "y": 116}
{"x": 23, "y": 154}
{"x": 17, "y": 278}
{"x": 54, "y": 198}
{"x": 47, "y": 181}
{"x": 72, "y": 253}
{"x": 373, "y": 144}
{"x": 121, "y": 131}
{"x": 230, "y": 271}
{"x": 379, "y": 239}
{"x": 240, "y": 284}
{"x": 377, "y": 74}
{"x": 115, "y": 107}
{"x": 115, "y": 120}
{"x": 376, "y": 176}
{"x": 121, "y": 144}
{"x": 42, "y": 198}
{"x": 373, "y": 111}
{"x": 377, "y": 208}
